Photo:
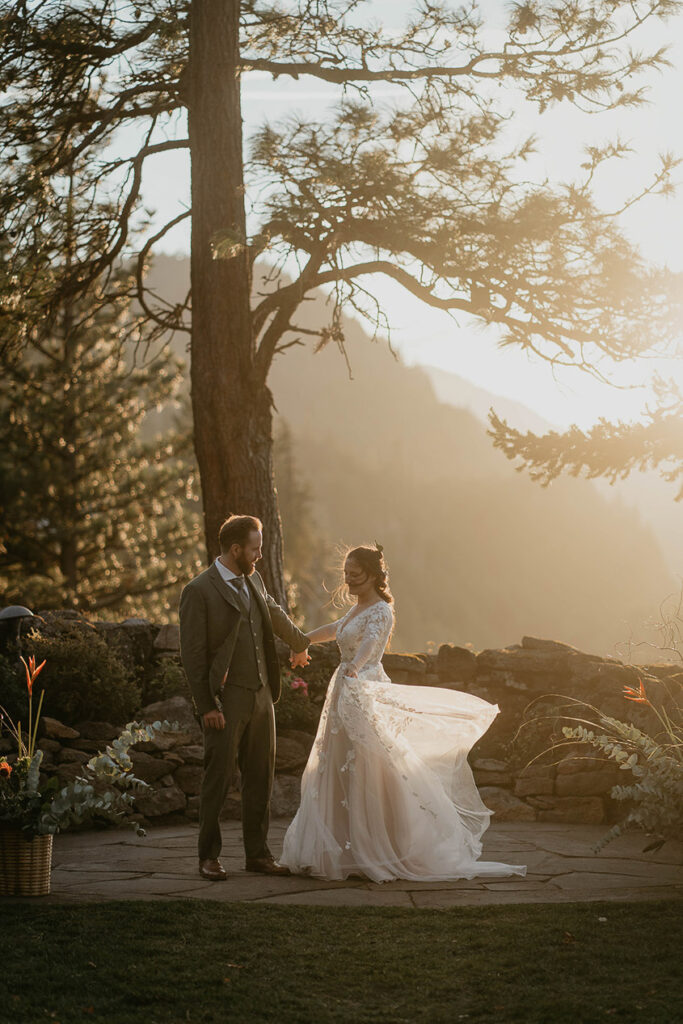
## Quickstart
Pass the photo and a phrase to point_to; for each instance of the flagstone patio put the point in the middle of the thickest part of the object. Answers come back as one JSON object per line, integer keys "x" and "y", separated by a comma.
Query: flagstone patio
{"x": 562, "y": 867}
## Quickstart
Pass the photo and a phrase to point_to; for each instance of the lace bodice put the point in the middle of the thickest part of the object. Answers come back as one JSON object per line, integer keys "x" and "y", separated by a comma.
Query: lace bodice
{"x": 363, "y": 636}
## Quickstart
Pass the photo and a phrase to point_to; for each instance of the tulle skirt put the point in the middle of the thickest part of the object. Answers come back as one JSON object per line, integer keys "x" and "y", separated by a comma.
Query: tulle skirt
{"x": 387, "y": 791}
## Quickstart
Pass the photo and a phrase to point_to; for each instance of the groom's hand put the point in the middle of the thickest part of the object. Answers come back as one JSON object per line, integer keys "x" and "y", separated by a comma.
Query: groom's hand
{"x": 299, "y": 660}
{"x": 214, "y": 720}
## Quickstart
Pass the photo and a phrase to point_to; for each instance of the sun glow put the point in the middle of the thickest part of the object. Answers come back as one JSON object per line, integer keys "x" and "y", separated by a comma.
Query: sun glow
{"x": 460, "y": 344}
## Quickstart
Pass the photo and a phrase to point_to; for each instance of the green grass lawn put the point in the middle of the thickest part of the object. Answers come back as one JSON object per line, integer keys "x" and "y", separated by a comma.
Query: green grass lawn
{"x": 167, "y": 962}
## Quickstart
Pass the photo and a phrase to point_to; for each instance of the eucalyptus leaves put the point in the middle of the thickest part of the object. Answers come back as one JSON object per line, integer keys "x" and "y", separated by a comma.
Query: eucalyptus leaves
{"x": 104, "y": 791}
{"x": 655, "y": 761}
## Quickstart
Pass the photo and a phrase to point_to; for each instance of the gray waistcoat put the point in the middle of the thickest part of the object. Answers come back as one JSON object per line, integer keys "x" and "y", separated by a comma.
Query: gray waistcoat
{"x": 248, "y": 666}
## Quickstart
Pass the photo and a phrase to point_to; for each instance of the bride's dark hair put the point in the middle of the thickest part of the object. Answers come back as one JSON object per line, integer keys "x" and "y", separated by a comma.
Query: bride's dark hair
{"x": 371, "y": 561}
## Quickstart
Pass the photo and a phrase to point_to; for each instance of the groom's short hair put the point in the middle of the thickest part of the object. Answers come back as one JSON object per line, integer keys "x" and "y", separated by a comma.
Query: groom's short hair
{"x": 236, "y": 530}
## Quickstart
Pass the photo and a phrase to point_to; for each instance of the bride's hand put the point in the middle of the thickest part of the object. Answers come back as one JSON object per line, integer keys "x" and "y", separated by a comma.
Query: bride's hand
{"x": 351, "y": 672}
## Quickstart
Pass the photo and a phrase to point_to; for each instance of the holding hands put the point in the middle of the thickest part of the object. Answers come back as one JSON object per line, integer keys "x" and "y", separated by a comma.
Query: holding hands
{"x": 300, "y": 660}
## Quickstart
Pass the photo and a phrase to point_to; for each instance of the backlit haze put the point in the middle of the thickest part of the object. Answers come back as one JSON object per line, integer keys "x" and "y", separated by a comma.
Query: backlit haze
{"x": 583, "y": 562}
{"x": 430, "y": 337}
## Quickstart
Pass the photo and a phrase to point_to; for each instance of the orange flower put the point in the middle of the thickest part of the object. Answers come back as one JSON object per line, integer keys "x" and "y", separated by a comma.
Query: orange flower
{"x": 639, "y": 695}
{"x": 5, "y": 770}
{"x": 32, "y": 673}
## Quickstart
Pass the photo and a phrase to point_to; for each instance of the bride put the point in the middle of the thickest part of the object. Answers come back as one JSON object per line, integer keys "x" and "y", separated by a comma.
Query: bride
{"x": 387, "y": 791}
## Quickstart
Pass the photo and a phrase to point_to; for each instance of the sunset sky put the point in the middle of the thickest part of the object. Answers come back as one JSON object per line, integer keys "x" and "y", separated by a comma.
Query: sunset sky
{"x": 428, "y": 336}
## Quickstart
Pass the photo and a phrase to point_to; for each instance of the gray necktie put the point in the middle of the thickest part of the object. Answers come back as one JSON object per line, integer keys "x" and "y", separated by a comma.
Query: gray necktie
{"x": 239, "y": 583}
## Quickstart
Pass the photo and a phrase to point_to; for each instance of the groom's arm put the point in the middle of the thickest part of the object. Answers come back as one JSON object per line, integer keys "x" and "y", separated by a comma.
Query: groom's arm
{"x": 193, "y": 647}
{"x": 282, "y": 624}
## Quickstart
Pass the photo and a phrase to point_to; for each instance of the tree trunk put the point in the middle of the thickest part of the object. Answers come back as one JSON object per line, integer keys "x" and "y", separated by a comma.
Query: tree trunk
{"x": 232, "y": 410}
{"x": 69, "y": 456}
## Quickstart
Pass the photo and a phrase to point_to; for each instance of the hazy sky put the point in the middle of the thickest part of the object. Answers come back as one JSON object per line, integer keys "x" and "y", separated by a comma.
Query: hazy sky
{"x": 429, "y": 336}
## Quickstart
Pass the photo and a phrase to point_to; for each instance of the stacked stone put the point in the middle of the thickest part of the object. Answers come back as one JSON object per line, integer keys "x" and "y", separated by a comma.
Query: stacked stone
{"x": 561, "y": 785}
{"x": 171, "y": 763}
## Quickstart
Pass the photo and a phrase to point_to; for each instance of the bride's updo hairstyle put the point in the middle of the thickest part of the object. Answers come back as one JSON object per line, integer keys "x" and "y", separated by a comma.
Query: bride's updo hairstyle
{"x": 371, "y": 561}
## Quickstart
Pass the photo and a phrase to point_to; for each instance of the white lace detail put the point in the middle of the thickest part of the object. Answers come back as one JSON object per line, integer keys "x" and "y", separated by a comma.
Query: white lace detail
{"x": 362, "y": 637}
{"x": 387, "y": 791}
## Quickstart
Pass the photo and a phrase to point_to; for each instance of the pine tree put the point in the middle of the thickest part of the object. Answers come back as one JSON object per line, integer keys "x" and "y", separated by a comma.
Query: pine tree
{"x": 91, "y": 517}
{"x": 428, "y": 192}
{"x": 609, "y": 450}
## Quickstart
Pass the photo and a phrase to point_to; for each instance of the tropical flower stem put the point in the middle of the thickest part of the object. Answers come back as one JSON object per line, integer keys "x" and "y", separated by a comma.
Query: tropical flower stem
{"x": 32, "y": 739}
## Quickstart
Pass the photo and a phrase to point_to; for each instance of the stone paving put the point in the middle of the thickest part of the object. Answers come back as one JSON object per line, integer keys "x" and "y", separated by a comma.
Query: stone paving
{"x": 562, "y": 867}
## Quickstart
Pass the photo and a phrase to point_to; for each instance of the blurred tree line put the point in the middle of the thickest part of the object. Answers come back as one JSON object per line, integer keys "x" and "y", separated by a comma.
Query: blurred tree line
{"x": 99, "y": 509}
{"x": 91, "y": 516}
{"x": 431, "y": 191}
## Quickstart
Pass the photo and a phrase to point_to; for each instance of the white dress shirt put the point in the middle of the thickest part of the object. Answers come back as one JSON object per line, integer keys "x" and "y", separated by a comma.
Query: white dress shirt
{"x": 228, "y": 575}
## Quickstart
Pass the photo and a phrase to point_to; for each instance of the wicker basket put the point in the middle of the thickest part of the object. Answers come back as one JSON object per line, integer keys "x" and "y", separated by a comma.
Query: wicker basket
{"x": 25, "y": 863}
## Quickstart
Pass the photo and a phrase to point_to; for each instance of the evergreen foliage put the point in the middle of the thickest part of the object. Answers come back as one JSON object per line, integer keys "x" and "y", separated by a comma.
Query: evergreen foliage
{"x": 428, "y": 191}
{"x": 91, "y": 517}
{"x": 85, "y": 679}
{"x": 609, "y": 450}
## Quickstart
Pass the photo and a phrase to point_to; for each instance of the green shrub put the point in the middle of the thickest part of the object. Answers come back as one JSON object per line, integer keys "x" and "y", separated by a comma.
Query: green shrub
{"x": 654, "y": 795}
{"x": 651, "y": 757}
{"x": 295, "y": 709}
{"x": 13, "y": 685}
{"x": 169, "y": 680}
{"x": 84, "y": 678}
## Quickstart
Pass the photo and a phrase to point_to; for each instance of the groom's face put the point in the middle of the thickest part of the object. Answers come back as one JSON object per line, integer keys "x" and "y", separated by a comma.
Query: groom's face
{"x": 247, "y": 556}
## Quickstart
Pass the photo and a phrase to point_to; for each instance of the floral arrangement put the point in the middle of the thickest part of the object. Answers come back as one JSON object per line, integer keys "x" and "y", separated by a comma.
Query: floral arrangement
{"x": 300, "y": 684}
{"x": 297, "y": 708}
{"x": 655, "y": 796}
{"x": 105, "y": 790}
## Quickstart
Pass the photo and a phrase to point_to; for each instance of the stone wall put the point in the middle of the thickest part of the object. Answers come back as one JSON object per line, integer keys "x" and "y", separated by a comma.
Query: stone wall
{"x": 531, "y": 682}
{"x": 171, "y": 763}
{"x": 524, "y": 768}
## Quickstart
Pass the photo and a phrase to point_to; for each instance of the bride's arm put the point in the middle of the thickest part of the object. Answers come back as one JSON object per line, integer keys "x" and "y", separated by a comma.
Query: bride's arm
{"x": 378, "y": 629}
{"x": 360, "y": 657}
{"x": 323, "y": 633}
{"x": 316, "y": 636}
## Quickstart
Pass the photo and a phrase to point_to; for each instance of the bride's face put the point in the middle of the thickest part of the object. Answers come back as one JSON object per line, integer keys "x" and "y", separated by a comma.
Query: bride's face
{"x": 358, "y": 581}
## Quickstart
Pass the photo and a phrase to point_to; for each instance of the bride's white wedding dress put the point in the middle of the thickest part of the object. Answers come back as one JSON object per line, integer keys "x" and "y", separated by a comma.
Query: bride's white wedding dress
{"x": 387, "y": 791}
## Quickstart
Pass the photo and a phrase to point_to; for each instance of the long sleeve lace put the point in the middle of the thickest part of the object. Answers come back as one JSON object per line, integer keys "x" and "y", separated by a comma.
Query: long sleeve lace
{"x": 324, "y": 633}
{"x": 377, "y": 625}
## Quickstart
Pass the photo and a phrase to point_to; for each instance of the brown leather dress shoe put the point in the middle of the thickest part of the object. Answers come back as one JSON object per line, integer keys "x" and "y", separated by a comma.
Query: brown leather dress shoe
{"x": 266, "y": 866}
{"x": 213, "y": 870}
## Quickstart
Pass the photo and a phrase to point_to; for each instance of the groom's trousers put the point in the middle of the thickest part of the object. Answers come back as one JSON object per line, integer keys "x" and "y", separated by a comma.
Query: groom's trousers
{"x": 248, "y": 739}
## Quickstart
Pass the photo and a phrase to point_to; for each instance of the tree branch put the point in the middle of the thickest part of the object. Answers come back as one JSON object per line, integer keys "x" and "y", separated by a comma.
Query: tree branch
{"x": 342, "y": 76}
{"x": 151, "y": 150}
{"x": 289, "y": 298}
{"x": 91, "y": 49}
{"x": 170, "y": 322}
{"x": 398, "y": 274}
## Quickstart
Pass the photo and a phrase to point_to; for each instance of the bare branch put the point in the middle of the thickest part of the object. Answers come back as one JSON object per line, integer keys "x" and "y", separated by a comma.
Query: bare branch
{"x": 173, "y": 319}
{"x": 288, "y": 302}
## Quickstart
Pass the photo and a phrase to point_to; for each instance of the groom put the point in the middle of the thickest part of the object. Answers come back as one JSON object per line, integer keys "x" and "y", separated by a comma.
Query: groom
{"x": 227, "y": 621}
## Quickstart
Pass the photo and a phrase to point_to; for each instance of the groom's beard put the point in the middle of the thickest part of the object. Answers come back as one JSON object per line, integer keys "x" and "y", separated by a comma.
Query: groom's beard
{"x": 244, "y": 565}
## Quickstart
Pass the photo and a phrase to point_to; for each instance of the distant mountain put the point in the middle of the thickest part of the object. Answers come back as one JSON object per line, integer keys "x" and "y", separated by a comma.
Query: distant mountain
{"x": 458, "y": 391}
{"x": 478, "y": 553}
{"x": 647, "y": 493}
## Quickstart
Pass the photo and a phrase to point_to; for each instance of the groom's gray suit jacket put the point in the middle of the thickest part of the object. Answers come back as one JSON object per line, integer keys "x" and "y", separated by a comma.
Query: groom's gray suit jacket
{"x": 221, "y": 645}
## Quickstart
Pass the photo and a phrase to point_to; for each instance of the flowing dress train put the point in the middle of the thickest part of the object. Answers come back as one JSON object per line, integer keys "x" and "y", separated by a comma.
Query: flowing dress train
{"x": 387, "y": 791}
